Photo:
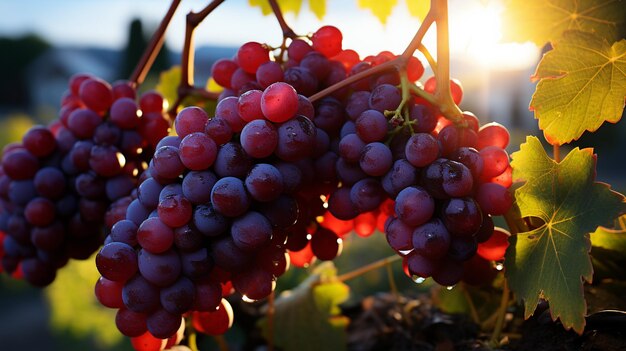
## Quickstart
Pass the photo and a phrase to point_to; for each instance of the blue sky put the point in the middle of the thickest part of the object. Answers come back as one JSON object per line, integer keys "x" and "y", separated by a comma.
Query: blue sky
{"x": 105, "y": 23}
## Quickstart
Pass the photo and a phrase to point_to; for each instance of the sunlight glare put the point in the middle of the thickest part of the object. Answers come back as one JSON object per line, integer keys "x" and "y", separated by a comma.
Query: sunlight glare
{"x": 476, "y": 31}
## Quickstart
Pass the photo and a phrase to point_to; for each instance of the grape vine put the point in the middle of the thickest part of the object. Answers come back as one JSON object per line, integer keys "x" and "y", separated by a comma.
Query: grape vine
{"x": 307, "y": 143}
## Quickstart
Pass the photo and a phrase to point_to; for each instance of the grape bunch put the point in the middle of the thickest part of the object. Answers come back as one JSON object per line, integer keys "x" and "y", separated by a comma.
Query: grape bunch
{"x": 272, "y": 180}
{"x": 57, "y": 185}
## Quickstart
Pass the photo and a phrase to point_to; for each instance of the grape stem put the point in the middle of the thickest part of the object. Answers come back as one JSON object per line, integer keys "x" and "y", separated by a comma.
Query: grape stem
{"x": 221, "y": 342}
{"x": 383, "y": 67}
{"x": 431, "y": 61}
{"x": 556, "y": 152}
{"x": 470, "y": 303}
{"x": 443, "y": 94}
{"x": 186, "y": 85}
{"x": 516, "y": 225}
{"x": 154, "y": 47}
{"x": 504, "y": 302}
{"x": 438, "y": 14}
{"x": 287, "y": 31}
{"x": 271, "y": 309}
{"x": 192, "y": 341}
{"x": 370, "y": 267}
{"x": 392, "y": 280}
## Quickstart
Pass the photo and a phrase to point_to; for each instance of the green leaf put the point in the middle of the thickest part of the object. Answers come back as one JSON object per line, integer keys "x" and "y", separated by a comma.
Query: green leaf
{"x": 168, "y": 88}
{"x": 542, "y": 21}
{"x": 583, "y": 84}
{"x": 307, "y": 318}
{"x": 74, "y": 307}
{"x": 552, "y": 260}
{"x": 168, "y": 83}
{"x": 611, "y": 239}
{"x": 608, "y": 252}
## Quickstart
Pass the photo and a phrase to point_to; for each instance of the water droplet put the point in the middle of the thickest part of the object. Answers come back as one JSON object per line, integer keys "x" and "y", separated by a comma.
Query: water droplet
{"x": 244, "y": 298}
{"x": 418, "y": 279}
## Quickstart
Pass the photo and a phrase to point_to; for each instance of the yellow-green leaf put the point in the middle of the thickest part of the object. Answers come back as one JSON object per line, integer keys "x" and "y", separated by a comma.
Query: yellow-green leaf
{"x": 542, "y": 21}
{"x": 552, "y": 260}
{"x": 611, "y": 239}
{"x": 307, "y": 318}
{"x": 583, "y": 84}
{"x": 286, "y": 6}
{"x": 74, "y": 307}
{"x": 418, "y": 8}
{"x": 168, "y": 83}
{"x": 318, "y": 7}
{"x": 608, "y": 252}
{"x": 380, "y": 8}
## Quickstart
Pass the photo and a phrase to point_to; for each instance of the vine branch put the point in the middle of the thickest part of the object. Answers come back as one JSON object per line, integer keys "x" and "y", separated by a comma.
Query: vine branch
{"x": 186, "y": 86}
{"x": 154, "y": 47}
{"x": 438, "y": 14}
{"x": 419, "y": 35}
{"x": 370, "y": 267}
{"x": 398, "y": 63}
{"x": 556, "y": 152}
{"x": 287, "y": 31}
{"x": 443, "y": 94}
{"x": 387, "y": 66}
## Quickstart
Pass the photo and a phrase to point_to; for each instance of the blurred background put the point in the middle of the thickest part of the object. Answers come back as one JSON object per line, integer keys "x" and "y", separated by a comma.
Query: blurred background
{"x": 43, "y": 43}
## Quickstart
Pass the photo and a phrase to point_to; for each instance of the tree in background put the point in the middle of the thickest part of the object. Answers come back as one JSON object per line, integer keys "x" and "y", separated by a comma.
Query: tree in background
{"x": 12, "y": 67}
{"x": 136, "y": 45}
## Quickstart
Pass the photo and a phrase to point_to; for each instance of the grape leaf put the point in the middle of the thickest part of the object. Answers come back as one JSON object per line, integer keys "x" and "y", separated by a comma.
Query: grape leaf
{"x": 583, "y": 84}
{"x": 311, "y": 310}
{"x": 611, "y": 239}
{"x": 542, "y": 21}
{"x": 380, "y": 9}
{"x": 168, "y": 84}
{"x": 168, "y": 88}
{"x": 552, "y": 260}
{"x": 318, "y": 8}
{"x": 608, "y": 252}
{"x": 418, "y": 8}
{"x": 286, "y": 6}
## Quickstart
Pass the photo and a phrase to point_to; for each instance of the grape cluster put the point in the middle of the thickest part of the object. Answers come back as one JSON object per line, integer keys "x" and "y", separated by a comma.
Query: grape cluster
{"x": 271, "y": 180}
{"x": 57, "y": 185}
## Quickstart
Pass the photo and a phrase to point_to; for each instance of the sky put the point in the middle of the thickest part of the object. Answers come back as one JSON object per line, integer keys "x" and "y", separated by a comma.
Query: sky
{"x": 474, "y": 25}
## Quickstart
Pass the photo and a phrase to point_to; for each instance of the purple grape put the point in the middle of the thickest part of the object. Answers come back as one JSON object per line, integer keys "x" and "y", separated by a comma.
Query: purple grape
{"x": 229, "y": 197}
{"x": 251, "y": 231}
{"x": 376, "y": 159}
{"x": 431, "y": 239}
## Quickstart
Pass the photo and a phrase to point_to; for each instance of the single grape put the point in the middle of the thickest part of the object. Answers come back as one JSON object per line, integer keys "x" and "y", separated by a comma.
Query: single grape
{"x": 229, "y": 197}
{"x": 251, "y": 231}
{"x": 197, "y": 151}
{"x": 251, "y": 55}
{"x": 431, "y": 239}
{"x": 190, "y": 120}
{"x": 371, "y": 125}
{"x": 117, "y": 261}
{"x": 264, "y": 182}
{"x": 327, "y": 40}
{"x": 414, "y": 206}
{"x": 279, "y": 102}
{"x": 376, "y": 159}
{"x": 259, "y": 138}
{"x": 462, "y": 216}
{"x": 421, "y": 149}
